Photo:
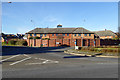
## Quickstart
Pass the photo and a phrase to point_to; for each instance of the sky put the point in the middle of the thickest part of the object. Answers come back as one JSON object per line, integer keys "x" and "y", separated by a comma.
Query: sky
{"x": 21, "y": 17}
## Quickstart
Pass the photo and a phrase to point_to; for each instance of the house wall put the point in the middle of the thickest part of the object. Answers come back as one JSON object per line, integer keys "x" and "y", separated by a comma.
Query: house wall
{"x": 58, "y": 42}
{"x": 71, "y": 36}
{"x": 109, "y": 42}
{"x": 3, "y": 39}
{"x": 83, "y": 35}
{"x": 97, "y": 42}
{"x": 71, "y": 42}
{"x": 52, "y": 43}
{"x": 106, "y": 37}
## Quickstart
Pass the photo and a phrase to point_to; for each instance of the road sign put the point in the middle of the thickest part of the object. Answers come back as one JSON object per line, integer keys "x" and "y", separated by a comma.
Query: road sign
{"x": 75, "y": 43}
{"x": 57, "y": 42}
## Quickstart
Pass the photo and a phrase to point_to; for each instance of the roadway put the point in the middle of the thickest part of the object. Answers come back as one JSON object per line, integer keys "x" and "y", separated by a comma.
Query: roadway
{"x": 26, "y": 62}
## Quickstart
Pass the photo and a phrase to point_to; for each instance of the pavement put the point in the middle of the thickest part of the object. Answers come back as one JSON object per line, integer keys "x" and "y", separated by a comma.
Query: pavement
{"x": 91, "y": 54}
{"x": 28, "y": 62}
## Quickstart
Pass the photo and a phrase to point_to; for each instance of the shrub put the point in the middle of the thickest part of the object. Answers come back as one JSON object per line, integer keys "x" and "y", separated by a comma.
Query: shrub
{"x": 110, "y": 50}
{"x": 4, "y": 42}
{"x": 31, "y": 38}
{"x": 45, "y": 38}
{"x": 21, "y": 42}
{"x": 41, "y": 45}
{"x": 82, "y": 48}
{"x": 36, "y": 37}
{"x": 92, "y": 49}
{"x": 12, "y": 42}
{"x": 104, "y": 50}
{"x": 31, "y": 45}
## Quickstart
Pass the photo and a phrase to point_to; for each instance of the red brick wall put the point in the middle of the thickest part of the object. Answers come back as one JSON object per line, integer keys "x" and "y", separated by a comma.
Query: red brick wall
{"x": 56, "y": 37}
{"x": 60, "y": 41}
{"x": 79, "y": 42}
{"x": 31, "y": 42}
{"x": 84, "y": 42}
{"x": 38, "y": 42}
{"x": 91, "y": 42}
{"x": 97, "y": 42}
{"x": 72, "y": 42}
{"x": 28, "y": 41}
{"x": 108, "y": 42}
{"x": 45, "y": 43}
{"x": 52, "y": 43}
{"x": 66, "y": 42}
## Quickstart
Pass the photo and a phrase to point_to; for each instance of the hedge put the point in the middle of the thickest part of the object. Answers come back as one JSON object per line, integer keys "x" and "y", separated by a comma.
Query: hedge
{"x": 17, "y": 42}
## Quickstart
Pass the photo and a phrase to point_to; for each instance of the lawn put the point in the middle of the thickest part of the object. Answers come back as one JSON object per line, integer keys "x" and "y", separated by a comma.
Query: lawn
{"x": 111, "y": 51}
{"x": 106, "y": 48}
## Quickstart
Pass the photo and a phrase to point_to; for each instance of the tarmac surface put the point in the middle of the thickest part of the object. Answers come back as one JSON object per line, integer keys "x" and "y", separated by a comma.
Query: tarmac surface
{"x": 28, "y": 62}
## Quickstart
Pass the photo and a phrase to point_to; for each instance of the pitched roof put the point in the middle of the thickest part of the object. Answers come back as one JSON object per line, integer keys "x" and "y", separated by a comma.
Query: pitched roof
{"x": 82, "y": 30}
{"x": 59, "y": 30}
{"x": 105, "y": 33}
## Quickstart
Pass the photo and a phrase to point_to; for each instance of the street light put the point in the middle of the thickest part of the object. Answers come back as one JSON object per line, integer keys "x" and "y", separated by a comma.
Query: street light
{"x": 82, "y": 32}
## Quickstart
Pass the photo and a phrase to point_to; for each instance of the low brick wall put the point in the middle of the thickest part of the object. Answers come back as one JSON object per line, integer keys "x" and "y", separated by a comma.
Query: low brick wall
{"x": 71, "y": 42}
{"x": 109, "y": 42}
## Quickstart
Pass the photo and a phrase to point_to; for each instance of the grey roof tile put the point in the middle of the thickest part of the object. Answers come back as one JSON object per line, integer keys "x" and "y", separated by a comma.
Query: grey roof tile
{"x": 60, "y": 30}
{"x": 105, "y": 33}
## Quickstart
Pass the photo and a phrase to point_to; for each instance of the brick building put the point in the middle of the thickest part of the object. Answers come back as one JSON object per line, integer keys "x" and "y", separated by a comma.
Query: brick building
{"x": 7, "y": 37}
{"x": 106, "y": 34}
{"x": 51, "y": 37}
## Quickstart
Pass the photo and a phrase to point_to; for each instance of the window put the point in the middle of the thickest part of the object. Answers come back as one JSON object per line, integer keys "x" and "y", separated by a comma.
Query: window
{"x": 67, "y": 34}
{"x": 41, "y": 34}
{"x": 63, "y": 34}
{"x": 30, "y": 34}
{"x": 52, "y": 34}
{"x": 45, "y": 35}
{"x": 56, "y": 34}
{"x": 79, "y": 34}
{"x": 74, "y": 34}
{"x": 85, "y": 34}
{"x": 34, "y": 34}
{"x": 89, "y": 34}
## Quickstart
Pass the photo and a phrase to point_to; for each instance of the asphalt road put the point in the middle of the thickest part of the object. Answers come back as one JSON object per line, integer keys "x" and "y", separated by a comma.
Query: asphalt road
{"x": 23, "y": 62}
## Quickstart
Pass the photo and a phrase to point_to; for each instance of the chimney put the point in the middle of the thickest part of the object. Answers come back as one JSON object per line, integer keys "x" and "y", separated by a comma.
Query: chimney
{"x": 59, "y": 26}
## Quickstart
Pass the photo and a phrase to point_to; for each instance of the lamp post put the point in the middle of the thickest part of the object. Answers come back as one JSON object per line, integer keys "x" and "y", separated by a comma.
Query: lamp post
{"x": 33, "y": 32}
{"x": 82, "y": 32}
{"x": 82, "y": 37}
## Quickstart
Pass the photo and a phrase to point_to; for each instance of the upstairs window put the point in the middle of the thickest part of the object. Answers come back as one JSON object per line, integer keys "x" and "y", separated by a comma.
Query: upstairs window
{"x": 41, "y": 34}
{"x": 67, "y": 34}
{"x": 85, "y": 34}
{"x": 45, "y": 35}
{"x": 30, "y": 34}
{"x": 75, "y": 35}
{"x": 79, "y": 34}
{"x": 52, "y": 34}
{"x": 63, "y": 34}
{"x": 89, "y": 34}
{"x": 34, "y": 34}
